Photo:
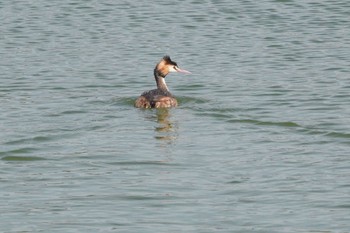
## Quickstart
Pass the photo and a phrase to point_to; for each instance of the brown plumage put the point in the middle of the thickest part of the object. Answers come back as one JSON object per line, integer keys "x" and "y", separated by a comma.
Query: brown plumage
{"x": 160, "y": 97}
{"x": 161, "y": 102}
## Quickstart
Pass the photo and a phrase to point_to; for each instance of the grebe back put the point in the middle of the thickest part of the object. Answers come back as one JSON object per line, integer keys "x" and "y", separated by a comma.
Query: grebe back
{"x": 160, "y": 97}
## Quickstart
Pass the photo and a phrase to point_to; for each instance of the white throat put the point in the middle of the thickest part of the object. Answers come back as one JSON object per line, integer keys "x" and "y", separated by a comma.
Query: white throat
{"x": 162, "y": 83}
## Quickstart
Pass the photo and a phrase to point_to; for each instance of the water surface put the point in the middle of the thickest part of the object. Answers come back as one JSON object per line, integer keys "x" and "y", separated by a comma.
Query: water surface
{"x": 259, "y": 143}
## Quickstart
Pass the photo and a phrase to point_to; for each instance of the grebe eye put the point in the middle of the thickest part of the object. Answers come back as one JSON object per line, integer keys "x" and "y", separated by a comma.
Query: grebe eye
{"x": 175, "y": 68}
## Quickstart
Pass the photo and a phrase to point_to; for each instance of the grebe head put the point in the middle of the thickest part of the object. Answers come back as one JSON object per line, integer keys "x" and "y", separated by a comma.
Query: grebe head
{"x": 166, "y": 66}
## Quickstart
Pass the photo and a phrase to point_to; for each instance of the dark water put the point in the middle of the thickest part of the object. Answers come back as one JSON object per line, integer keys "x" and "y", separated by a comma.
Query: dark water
{"x": 259, "y": 143}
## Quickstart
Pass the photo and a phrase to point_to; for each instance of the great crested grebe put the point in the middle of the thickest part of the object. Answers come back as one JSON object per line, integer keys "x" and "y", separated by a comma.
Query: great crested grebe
{"x": 160, "y": 97}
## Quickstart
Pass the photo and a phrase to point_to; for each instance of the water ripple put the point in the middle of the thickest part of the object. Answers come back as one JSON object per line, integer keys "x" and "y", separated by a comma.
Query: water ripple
{"x": 267, "y": 123}
{"x": 21, "y": 158}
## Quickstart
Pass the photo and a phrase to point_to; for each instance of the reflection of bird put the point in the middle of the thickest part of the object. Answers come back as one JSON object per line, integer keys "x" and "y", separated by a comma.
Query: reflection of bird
{"x": 166, "y": 129}
{"x": 160, "y": 97}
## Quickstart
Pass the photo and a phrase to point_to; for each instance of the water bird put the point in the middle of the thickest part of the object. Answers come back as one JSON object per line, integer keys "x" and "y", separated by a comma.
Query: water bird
{"x": 160, "y": 97}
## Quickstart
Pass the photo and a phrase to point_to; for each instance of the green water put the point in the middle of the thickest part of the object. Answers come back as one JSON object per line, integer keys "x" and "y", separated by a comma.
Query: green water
{"x": 259, "y": 143}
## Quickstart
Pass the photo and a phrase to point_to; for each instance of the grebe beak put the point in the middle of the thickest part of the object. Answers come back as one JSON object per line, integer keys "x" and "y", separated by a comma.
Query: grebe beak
{"x": 181, "y": 70}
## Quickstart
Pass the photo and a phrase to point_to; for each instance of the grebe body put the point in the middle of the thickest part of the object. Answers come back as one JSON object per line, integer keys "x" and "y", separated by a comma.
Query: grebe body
{"x": 156, "y": 99}
{"x": 160, "y": 97}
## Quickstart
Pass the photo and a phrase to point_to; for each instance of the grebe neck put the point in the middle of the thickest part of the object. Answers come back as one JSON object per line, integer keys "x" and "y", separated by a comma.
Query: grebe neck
{"x": 160, "y": 80}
